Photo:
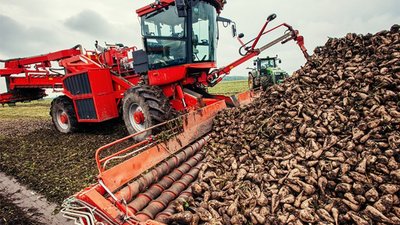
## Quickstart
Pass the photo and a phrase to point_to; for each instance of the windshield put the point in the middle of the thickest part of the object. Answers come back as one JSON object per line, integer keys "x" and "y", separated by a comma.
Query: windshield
{"x": 268, "y": 63}
{"x": 164, "y": 34}
{"x": 204, "y": 32}
{"x": 164, "y": 23}
{"x": 172, "y": 40}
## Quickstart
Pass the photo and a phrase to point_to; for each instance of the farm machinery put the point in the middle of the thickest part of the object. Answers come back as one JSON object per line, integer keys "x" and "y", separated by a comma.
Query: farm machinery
{"x": 266, "y": 73}
{"x": 138, "y": 183}
{"x": 145, "y": 87}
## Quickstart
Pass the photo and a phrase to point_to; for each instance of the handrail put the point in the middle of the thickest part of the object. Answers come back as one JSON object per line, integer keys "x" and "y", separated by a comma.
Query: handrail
{"x": 148, "y": 140}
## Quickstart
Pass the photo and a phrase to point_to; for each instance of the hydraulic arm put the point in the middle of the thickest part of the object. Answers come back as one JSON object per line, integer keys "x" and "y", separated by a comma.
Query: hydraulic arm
{"x": 37, "y": 74}
{"x": 249, "y": 51}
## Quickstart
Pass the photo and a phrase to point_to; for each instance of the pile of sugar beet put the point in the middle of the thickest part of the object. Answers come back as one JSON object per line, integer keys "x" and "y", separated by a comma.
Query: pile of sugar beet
{"x": 321, "y": 148}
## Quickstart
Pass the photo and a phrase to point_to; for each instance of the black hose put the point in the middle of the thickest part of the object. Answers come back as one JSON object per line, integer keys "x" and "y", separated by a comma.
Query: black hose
{"x": 78, "y": 46}
{"x": 245, "y": 46}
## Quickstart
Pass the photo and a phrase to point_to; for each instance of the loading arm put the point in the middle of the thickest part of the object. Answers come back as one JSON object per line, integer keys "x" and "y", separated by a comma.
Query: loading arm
{"x": 249, "y": 51}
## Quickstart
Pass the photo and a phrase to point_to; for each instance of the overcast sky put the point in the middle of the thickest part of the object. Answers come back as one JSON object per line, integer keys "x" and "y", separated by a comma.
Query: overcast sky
{"x": 29, "y": 27}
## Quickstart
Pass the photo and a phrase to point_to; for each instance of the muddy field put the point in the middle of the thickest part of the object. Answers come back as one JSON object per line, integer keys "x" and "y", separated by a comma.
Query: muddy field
{"x": 51, "y": 163}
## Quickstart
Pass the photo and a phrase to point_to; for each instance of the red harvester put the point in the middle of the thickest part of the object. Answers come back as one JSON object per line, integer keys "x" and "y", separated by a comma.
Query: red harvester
{"x": 173, "y": 73}
{"x": 142, "y": 86}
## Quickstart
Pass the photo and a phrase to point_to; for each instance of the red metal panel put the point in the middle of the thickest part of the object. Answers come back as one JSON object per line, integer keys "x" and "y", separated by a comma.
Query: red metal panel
{"x": 167, "y": 75}
{"x": 204, "y": 65}
{"x": 10, "y": 71}
{"x": 209, "y": 101}
{"x": 21, "y": 96}
{"x": 36, "y": 82}
{"x": 153, "y": 7}
{"x": 6, "y": 98}
{"x": 18, "y": 63}
{"x": 96, "y": 199}
{"x": 103, "y": 95}
{"x": 176, "y": 73}
{"x": 245, "y": 97}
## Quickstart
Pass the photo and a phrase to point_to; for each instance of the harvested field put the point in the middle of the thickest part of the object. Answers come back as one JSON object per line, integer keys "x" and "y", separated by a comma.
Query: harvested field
{"x": 53, "y": 164}
{"x": 34, "y": 109}
{"x": 230, "y": 87}
{"x": 323, "y": 147}
{"x": 22, "y": 127}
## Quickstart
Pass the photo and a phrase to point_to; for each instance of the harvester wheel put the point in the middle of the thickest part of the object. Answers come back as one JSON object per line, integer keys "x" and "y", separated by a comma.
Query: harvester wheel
{"x": 63, "y": 115}
{"x": 143, "y": 107}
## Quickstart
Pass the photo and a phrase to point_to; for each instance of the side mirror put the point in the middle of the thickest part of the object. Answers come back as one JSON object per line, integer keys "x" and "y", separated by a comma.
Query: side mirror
{"x": 181, "y": 7}
{"x": 271, "y": 17}
{"x": 255, "y": 64}
{"x": 140, "y": 61}
{"x": 234, "y": 31}
{"x": 241, "y": 35}
{"x": 279, "y": 61}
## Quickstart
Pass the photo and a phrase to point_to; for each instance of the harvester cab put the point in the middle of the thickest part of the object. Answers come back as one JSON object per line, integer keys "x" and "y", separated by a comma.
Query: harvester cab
{"x": 266, "y": 73}
{"x": 180, "y": 33}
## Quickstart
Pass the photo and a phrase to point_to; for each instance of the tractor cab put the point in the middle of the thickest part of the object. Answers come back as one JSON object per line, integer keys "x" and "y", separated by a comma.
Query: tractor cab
{"x": 180, "y": 32}
{"x": 264, "y": 65}
{"x": 266, "y": 73}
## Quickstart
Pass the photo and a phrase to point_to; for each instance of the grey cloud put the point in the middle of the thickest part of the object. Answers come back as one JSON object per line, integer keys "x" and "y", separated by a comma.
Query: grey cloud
{"x": 19, "y": 40}
{"x": 94, "y": 26}
{"x": 316, "y": 21}
{"x": 30, "y": 27}
{"x": 12, "y": 34}
{"x": 90, "y": 22}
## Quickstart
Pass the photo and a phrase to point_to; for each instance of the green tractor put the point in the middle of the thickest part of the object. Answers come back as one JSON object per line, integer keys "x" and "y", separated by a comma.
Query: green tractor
{"x": 266, "y": 73}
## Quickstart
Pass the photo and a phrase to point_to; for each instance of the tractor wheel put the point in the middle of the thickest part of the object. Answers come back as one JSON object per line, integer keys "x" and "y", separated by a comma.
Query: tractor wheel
{"x": 144, "y": 106}
{"x": 63, "y": 115}
{"x": 251, "y": 83}
{"x": 266, "y": 82}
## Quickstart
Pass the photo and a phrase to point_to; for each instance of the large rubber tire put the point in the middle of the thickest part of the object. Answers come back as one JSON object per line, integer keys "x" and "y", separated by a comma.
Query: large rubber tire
{"x": 63, "y": 115}
{"x": 251, "y": 83}
{"x": 153, "y": 104}
{"x": 266, "y": 82}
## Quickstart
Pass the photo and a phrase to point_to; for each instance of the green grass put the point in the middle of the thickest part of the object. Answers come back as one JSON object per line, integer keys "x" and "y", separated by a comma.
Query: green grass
{"x": 34, "y": 109}
{"x": 229, "y": 87}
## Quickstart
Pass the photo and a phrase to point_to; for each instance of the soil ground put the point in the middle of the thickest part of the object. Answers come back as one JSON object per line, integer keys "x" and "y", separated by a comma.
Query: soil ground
{"x": 10, "y": 214}
{"x": 52, "y": 164}
{"x": 230, "y": 87}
